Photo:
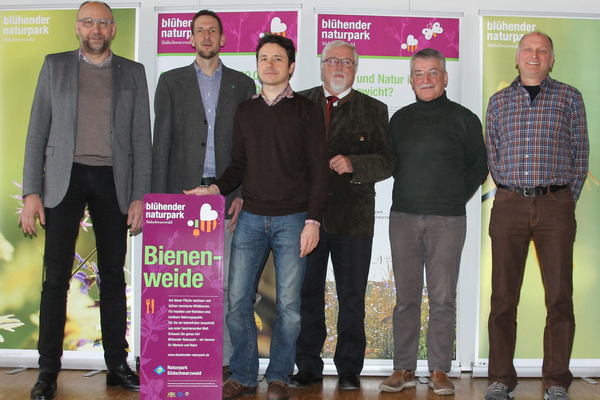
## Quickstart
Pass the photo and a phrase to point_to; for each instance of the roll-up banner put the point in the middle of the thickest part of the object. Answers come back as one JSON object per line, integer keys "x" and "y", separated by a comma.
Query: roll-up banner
{"x": 26, "y": 37}
{"x": 575, "y": 49}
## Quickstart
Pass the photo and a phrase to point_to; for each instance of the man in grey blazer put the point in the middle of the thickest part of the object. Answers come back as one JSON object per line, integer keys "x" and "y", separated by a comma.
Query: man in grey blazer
{"x": 88, "y": 143}
{"x": 193, "y": 127}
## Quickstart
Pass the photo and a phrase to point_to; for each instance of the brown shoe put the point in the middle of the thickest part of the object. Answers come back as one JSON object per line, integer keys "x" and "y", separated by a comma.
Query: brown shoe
{"x": 277, "y": 391}
{"x": 233, "y": 389}
{"x": 399, "y": 380}
{"x": 439, "y": 382}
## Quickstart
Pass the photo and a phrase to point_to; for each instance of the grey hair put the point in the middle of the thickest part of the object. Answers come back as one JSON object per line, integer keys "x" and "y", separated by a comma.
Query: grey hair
{"x": 537, "y": 33}
{"x": 339, "y": 43}
{"x": 428, "y": 53}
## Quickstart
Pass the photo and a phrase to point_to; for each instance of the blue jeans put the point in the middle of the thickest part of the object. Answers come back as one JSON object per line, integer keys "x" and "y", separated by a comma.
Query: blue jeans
{"x": 253, "y": 238}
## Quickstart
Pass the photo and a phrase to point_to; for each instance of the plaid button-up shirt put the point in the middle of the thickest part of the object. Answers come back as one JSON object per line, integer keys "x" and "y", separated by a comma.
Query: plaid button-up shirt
{"x": 287, "y": 92}
{"x": 539, "y": 143}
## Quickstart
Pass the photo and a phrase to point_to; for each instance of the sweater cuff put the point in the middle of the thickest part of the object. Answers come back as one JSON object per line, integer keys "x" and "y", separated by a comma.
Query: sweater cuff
{"x": 216, "y": 187}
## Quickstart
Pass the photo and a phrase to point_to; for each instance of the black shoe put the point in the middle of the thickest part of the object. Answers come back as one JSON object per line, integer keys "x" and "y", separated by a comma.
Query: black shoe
{"x": 45, "y": 387}
{"x": 349, "y": 381}
{"x": 304, "y": 379}
{"x": 123, "y": 376}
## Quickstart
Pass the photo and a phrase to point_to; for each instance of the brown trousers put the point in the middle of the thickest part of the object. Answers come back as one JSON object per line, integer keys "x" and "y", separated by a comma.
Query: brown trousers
{"x": 548, "y": 220}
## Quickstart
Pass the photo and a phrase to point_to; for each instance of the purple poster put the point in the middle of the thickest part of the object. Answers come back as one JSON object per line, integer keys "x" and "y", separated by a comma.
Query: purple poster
{"x": 182, "y": 297}
{"x": 242, "y": 30}
{"x": 386, "y": 36}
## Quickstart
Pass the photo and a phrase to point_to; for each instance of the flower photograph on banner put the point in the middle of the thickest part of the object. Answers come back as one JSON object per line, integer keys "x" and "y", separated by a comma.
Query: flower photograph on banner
{"x": 571, "y": 38}
{"x": 82, "y": 327}
{"x": 21, "y": 256}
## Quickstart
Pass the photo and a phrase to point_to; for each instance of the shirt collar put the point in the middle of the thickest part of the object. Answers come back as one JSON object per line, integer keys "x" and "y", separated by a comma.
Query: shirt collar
{"x": 546, "y": 81}
{"x": 217, "y": 74}
{"x": 339, "y": 96}
{"x": 287, "y": 92}
{"x": 105, "y": 63}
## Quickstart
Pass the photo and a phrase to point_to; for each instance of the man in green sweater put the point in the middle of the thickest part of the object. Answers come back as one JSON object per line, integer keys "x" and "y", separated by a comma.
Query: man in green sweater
{"x": 441, "y": 161}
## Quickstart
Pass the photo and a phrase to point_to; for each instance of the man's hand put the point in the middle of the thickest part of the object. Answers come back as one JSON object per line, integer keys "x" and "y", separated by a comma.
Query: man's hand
{"x": 309, "y": 239}
{"x": 135, "y": 216}
{"x": 234, "y": 210}
{"x": 32, "y": 206}
{"x": 341, "y": 164}
{"x": 203, "y": 191}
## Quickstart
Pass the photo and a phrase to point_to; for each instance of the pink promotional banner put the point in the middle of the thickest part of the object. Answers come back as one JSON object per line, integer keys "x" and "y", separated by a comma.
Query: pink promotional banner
{"x": 242, "y": 30}
{"x": 182, "y": 297}
{"x": 385, "y": 45}
{"x": 390, "y": 36}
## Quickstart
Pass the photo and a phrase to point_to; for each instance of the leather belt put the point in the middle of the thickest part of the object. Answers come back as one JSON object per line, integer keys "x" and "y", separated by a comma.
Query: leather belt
{"x": 533, "y": 191}
{"x": 207, "y": 181}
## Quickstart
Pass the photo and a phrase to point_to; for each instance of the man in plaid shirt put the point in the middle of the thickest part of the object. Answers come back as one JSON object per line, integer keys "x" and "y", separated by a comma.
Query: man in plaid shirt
{"x": 538, "y": 148}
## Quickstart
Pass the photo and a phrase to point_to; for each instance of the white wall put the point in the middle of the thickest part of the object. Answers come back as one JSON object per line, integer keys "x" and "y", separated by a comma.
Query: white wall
{"x": 470, "y": 87}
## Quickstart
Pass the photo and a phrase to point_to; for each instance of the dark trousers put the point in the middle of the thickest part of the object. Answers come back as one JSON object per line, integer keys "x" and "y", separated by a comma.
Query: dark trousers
{"x": 550, "y": 221}
{"x": 95, "y": 187}
{"x": 351, "y": 258}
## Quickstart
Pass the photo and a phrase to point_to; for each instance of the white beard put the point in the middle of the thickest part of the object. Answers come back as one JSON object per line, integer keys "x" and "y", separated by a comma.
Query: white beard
{"x": 338, "y": 84}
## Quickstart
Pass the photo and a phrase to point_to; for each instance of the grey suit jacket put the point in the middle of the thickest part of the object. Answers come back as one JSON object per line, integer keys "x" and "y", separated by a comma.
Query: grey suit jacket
{"x": 181, "y": 130}
{"x": 50, "y": 145}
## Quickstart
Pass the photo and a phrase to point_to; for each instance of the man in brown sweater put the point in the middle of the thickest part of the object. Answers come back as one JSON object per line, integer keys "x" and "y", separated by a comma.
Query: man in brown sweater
{"x": 279, "y": 154}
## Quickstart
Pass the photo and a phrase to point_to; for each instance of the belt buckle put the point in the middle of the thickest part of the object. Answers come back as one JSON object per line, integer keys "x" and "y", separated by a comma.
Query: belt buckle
{"x": 530, "y": 191}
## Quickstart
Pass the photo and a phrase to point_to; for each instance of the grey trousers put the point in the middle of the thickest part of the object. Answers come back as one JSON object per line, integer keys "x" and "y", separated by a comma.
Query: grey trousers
{"x": 435, "y": 243}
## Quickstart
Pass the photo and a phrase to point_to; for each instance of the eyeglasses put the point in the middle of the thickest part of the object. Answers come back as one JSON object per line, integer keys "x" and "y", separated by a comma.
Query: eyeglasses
{"x": 334, "y": 61}
{"x": 89, "y": 22}
{"x": 432, "y": 73}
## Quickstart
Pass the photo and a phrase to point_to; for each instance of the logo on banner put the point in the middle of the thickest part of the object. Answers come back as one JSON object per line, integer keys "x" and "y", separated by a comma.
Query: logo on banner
{"x": 207, "y": 222}
{"x": 430, "y": 31}
{"x": 411, "y": 44}
{"x": 277, "y": 28}
{"x": 433, "y": 31}
{"x": 160, "y": 370}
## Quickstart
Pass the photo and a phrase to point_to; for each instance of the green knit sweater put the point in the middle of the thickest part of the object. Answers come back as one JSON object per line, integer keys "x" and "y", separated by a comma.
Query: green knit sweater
{"x": 440, "y": 157}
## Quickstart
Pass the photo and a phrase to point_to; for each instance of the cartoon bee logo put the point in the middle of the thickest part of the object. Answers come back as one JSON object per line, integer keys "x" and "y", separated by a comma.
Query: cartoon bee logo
{"x": 277, "y": 28}
{"x": 432, "y": 32}
{"x": 207, "y": 222}
{"x": 411, "y": 44}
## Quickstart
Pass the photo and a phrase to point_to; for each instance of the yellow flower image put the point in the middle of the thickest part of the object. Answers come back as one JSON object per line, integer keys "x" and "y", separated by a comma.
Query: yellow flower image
{"x": 82, "y": 326}
{"x": 6, "y": 249}
{"x": 8, "y": 323}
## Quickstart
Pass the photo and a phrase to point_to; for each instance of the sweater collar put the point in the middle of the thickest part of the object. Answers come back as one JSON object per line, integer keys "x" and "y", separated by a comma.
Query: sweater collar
{"x": 432, "y": 104}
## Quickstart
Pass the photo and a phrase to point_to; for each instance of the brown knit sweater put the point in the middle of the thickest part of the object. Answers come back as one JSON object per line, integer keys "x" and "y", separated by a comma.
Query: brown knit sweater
{"x": 280, "y": 156}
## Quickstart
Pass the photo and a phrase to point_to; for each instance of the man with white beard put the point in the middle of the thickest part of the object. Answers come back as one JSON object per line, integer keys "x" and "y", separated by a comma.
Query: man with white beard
{"x": 360, "y": 154}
